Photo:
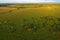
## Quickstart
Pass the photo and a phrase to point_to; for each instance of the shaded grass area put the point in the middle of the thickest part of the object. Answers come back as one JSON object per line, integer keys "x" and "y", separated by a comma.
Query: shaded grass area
{"x": 30, "y": 24}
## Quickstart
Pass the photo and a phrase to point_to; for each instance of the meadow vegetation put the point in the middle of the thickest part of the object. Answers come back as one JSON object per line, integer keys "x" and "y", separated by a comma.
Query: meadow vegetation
{"x": 30, "y": 22}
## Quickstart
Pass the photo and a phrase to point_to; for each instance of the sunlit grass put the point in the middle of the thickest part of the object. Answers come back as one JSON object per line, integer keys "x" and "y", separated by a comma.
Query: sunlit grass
{"x": 30, "y": 23}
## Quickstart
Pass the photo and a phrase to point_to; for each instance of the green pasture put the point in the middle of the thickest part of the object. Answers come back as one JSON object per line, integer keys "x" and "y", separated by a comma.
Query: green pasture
{"x": 39, "y": 23}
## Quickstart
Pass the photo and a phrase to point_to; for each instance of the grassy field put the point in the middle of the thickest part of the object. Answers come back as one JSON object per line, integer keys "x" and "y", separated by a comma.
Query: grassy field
{"x": 30, "y": 22}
